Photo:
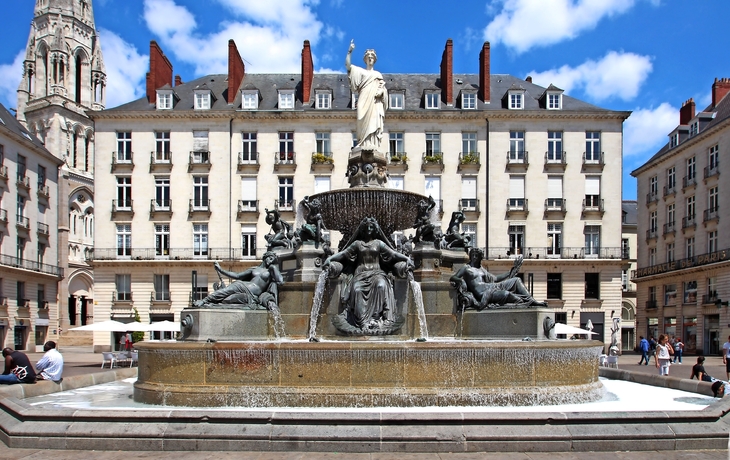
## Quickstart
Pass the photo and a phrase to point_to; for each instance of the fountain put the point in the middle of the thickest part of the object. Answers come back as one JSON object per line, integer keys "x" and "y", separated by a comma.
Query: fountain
{"x": 459, "y": 336}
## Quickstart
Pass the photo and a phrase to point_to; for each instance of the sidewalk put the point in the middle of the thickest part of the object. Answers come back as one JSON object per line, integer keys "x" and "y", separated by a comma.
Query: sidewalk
{"x": 713, "y": 365}
{"x": 76, "y": 360}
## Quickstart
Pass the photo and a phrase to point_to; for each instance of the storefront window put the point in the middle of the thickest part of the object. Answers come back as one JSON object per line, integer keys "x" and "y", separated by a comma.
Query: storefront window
{"x": 690, "y": 334}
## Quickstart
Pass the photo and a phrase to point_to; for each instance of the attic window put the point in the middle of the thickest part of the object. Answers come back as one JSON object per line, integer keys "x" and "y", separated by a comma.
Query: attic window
{"x": 468, "y": 101}
{"x": 554, "y": 101}
{"x": 164, "y": 100}
{"x": 673, "y": 140}
{"x": 516, "y": 100}
{"x": 397, "y": 100}
{"x": 202, "y": 100}
{"x": 250, "y": 100}
{"x": 694, "y": 128}
{"x": 324, "y": 100}
{"x": 286, "y": 99}
{"x": 432, "y": 100}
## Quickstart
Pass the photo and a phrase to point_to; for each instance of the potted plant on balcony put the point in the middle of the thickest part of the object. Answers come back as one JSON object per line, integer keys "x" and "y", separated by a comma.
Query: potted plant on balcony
{"x": 471, "y": 158}
{"x": 433, "y": 158}
{"x": 321, "y": 158}
{"x": 396, "y": 158}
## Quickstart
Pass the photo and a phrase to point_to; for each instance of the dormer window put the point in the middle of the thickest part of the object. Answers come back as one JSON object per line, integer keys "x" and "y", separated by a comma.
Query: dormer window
{"x": 250, "y": 100}
{"x": 286, "y": 99}
{"x": 694, "y": 128}
{"x": 673, "y": 140}
{"x": 202, "y": 100}
{"x": 324, "y": 100}
{"x": 432, "y": 100}
{"x": 164, "y": 100}
{"x": 397, "y": 100}
{"x": 468, "y": 101}
{"x": 516, "y": 100}
{"x": 554, "y": 101}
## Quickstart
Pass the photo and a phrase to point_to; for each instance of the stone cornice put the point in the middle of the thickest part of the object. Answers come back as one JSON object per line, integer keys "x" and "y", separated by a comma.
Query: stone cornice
{"x": 558, "y": 114}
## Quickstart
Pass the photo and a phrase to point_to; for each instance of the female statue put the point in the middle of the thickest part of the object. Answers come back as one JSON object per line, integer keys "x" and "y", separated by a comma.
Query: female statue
{"x": 368, "y": 293}
{"x": 372, "y": 100}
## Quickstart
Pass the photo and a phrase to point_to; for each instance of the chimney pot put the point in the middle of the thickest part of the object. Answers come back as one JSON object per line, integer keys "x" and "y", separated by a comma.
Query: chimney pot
{"x": 236, "y": 71}
{"x": 485, "y": 92}
{"x": 720, "y": 88}
{"x": 447, "y": 73}
{"x": 307, "y": 72}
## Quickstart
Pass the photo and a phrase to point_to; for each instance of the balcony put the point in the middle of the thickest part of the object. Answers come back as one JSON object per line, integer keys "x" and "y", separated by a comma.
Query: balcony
{"x": 22, "y": 223}
{"x": 248, "y": 207}
{"x": 593, "y": 161}
{"x": 432, "y": 162}
{"x": 652, "y": 233}
{"x": 199, "y": 161}
{"x": 593, "y": 206}
{"x": 711, "y": 214}
{"x": 248, "y": 162}
{"x": 3, "y": 217}
{"x": 199, "y": 207}
{"x": 652, "y": 197}
{"x": 3, "y": 175}
{"x": 44, "y": 191}
{"x": 651, "y": 304}
{"x": 121, "y": 297}
{"x": 160, "y": 296}
{"x": 22, "y": 182}
{"x": 517, "y": 206}
{"x": 469, "y": 205}
{"x": 160, "y": 161}
{"x": 122, "y": 207}
{"x": 688, "y": 222}
{"x": 44, "y": 229}
{"x": 689, "y": 181}
{"x": 670, "y": 189}
{"x": 398, "y": 162}
{"x": 555, "y": 161}
{"x": 712, "y": 170}
{"x": 122, "y": 161}
{"x": 163, "y": 207}
{"x": 285, "y": 206}
{"x": 322, "y": 162}
{"x": 668, "y": 228}
{"x": 469, "y": 163}
{"x": 517, "y": 160}
{"x": 285, "y": 161}
{"x": 710, "y": 299}
{"x": 10, "y": 261}
{"x": 553, "y": 252}
{"x": 555, "y": 206}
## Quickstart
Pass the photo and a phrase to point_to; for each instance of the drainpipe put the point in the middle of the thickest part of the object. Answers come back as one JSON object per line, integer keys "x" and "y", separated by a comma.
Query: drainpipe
{"x": 486, "y": 201}
{"x": 231, "y": 167}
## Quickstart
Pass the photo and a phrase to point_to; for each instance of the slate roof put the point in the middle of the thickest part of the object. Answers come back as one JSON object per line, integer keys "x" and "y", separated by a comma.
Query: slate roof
{"x": 9, "y": 121}
{"x": 414, "y": 86}
{"x": 630, "y": 210}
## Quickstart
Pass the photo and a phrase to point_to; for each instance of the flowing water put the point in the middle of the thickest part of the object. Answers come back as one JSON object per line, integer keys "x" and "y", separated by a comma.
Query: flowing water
{"x": 317, "y": 303}
{"x": 418, "y": 300}
{"x": 278, "y": 322}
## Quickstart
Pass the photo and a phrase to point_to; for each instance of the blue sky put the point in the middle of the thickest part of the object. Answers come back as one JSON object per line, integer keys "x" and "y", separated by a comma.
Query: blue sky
{"x": 646, "y": 56}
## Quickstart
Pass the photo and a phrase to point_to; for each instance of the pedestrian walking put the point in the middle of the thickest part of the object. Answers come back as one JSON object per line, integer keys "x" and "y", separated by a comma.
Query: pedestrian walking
{"x": 663, "y": 355}
{"x": 644, "y": 349}
{"x": 678, "y": 350}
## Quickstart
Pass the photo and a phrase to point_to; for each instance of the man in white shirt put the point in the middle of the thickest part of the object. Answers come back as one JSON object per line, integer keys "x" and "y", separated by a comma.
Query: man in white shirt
{"x": 50, "y": 366}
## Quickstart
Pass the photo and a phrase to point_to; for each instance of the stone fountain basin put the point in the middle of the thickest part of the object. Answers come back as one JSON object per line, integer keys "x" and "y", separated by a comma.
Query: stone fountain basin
{"x": 368, "y": 373}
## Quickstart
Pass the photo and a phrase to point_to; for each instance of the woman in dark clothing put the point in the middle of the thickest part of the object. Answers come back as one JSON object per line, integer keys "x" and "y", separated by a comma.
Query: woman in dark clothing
{"x": 698, "y": 370}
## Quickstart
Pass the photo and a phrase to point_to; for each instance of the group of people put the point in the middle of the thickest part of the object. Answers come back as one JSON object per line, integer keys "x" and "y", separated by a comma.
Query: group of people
{"x": 18, "y": 368}
{"x": 665, "y": 351}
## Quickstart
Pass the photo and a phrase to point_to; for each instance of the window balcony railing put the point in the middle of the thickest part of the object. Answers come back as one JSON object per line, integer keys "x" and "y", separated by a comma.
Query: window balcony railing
{"x": 22, "y": 181}
{"x": 555, "y": 252}
{"x": 670, "y": 189}
{"x": 160, "y": 296}
{"x": 199, "y": 206}
{"x": 593, "y": 205}
{"x": 4, "y": 216}
{"x": 469, "y": 204}
{"x": 4, "y": 173}
{"x": 688, "y": 222}
{"x": 652, "y": 197}
{"x": 593, "y": 159}
{"x": 469, "y": 158}
{"x": 652, "y": 233}
{"x": 43, "y": 229}
{"x": 322, "y": 158}
{"x": 285, "y": 205}
{"x": 516, "y": 205}
{"x": 199, "y": 157}
{"x": 160, "y": 159}
{"x": 22, "y": 222}
{"x": 626, "y": 252}
{"x": 122, "y": 206}
{"x": 710, "y": 298}
{"x": 668, "y": 228}
{"x": 248, "y": 206}
{"x": 398, "y": 157}
{"x": 689, "y": 181}
{"x": 121, "y": 296}
{"x": 35, "y": 266}
{"x": 555, "y": 158}
{"x": 44, "y": 190}
{"x": 436, "y": 158}
{"x": 555, "y": 204}
{"x": 285, "y": 158}
{"x": 712, "y": 170}
{"x": 651, "y": 304}
{"x": 122, "y": 160}
{"x": 248, "y": 158}
{"x": 160, "y": 205}
{"x": 518, "y": 157}
{"x": 711, "y": 214}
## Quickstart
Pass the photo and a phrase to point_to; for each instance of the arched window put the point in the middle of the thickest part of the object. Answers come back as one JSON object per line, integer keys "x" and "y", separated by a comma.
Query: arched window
{"x": 627, "y": 312}
{"x": 78, "y": 80}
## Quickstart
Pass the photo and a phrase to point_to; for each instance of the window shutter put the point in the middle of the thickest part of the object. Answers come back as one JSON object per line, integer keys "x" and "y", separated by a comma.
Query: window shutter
{"x": 321, "y": 184}
{"x": 517, "y": 187}
{"x": 200, "y": 141}
{"x": 469, "y": 188}
{"x": 593, "y": 185}
{"x": 433, "y": 187}
{"x": 248, "y": 188}
{"x": 555, "y": 187}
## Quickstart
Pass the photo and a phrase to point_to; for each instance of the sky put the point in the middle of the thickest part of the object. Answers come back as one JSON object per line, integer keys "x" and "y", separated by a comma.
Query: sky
{"x": 643, "y": 56}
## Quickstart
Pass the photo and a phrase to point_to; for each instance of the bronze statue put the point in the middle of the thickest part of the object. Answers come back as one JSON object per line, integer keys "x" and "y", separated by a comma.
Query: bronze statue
{"x": 280, "y": 234}
{"x": 453, "y": 237}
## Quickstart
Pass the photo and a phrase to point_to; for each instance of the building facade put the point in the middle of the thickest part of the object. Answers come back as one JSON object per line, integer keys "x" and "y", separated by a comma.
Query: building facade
{"x": 683, "y": 274}
{"x": 190, "y": 169}
{"x": 629, "y": 229}
{"x": 29, "y": 271}
{"x": 63, "y": 78}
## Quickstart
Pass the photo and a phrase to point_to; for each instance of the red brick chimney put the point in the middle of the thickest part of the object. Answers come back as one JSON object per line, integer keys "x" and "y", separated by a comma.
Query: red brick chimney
{"x": 485, "y": 92}
{"x": 719, "y": 89}
{"x": 687, "y": 112}
{"x": 160, "y": 73}
{"x": 307, "y": 72}
{"x": 178, "y": 80}
{"x": 236, "y": 71}
{"x": 447, "y": 73}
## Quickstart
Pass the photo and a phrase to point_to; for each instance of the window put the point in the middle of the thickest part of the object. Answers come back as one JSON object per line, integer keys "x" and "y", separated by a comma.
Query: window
{"x": 162, "y": 287}
{"x": 354, "y": 139}
{"x": 555, "y": 147}
{"x": 694, "y": 128}
{"x": 396, "y": 100}
{"x": 670, "y": 294}
{"x": 396, "y": 182}
{"x": 554, "y": 101}
{"x": 248, "y": 241}
{"x": 670, "y": 252}
{"x": 712, "y": 241}
{"x": 592, "y": 286}
{"x": 286, "y": 146}
{"x": 200, "y": 288}
{"x": 673, "y": 140}
{"x": 248, "y": 194}
{"x": 690, "y": 292}
{"x": 516, "y": 193}
{"x": 286, "y": 99}
{"x": 691, "y": 168}
{"x": 200, "y": 147}
{"x": 593, "y": 240}
{"x": 517, "y": 146}
{"x": 124, "y": 193}
{"x": 396, "y": 143}
{"x": 624, "y": 280}
{"x": 20, "y": 291}
{"x": 593, "y": 146}
{"x": 164, "y": 100}
{"x": 162, "y": 147}
{"x": 516, "y": 239}
{"x": 433, "y": 189}
{"x": 19, "y": 248}
{"x": 690, "y": 209}
{"x": 652, "y": 294}
{"x": 714, "y": 157}
{"x": 323, "y": 143}
{"x": 248, "y": 148}
{"x": 432, "y": 100}
{"x": 324, "y": 100}
{"x": 41, "y": 252}
{"x": 653, "y": 186}
{"x": 468, "y": 101}
{"x": 162, "y": 239}
{"x": 124, "y": 147}
{"x": 689, "y": 247}
{"x": 124, "y": 287}
{"x": 671, "y": 179}
{"x": 124, "y": 240}
{"x": 41, "y": 176}
{"x": 555, "y": 237}
{"x": 554, "y": 193}
{"x": 41, "y": 296}
{"x": 20, "y": 209}
{"x": 712, "y": 199}
{"x": 516, "y": 101}
{"x": 200, "y": 192}
{"x": 712, "y": 288}
{"x": 593, "y": 193}
{"x": 433, "y": 143}
{"x": 470, "y": 231}
{"x": 286, "y": 193}
{"x": 162, "y": 194}
{"x": 469, "y": 193}
{"x": 653, "y": 222}
{"x": 250, "y": 100}
{"x": 652, "y": 256}
{"x": 202, "y": 100}
{"x": 200, "y": 240}
{"x": 554, "y": 285}
{"x": 670, "y": 215}
{"x": 469, "y": 143}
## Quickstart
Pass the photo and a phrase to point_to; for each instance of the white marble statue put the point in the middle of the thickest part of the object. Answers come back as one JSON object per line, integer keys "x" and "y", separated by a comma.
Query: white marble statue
{"x": 372, "y": 100}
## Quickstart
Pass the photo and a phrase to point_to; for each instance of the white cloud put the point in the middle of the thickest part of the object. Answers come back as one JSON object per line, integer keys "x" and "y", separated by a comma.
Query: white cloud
{"x": 10, "y": 76}
{"x": 646, "y": 130}
{"x": 617, "y": 74}
{"x": 269, "y": 35}
{"x": 125, "y": 69}
{"x": 522, "y": 24}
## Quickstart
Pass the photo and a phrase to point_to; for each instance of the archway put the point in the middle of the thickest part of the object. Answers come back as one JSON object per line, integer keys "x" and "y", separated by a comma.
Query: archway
{"x": 80, "y": 298}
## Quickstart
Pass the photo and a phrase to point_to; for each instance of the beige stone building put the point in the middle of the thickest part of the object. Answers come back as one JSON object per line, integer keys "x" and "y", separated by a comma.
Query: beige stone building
{"x": 189, "y": 169}
{"x": 629, "y": 229}
{"x": 683, "y": 274}
{"x": 29, "y": 271}
{"x": 63, "y": 77}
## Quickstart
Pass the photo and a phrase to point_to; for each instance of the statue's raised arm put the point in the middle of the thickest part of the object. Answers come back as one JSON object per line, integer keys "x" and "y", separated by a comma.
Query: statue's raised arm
{"x": 348, "y": 60}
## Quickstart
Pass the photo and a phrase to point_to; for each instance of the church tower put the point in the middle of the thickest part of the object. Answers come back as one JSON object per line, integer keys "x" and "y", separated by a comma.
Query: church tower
{"x": 63, "y": 77}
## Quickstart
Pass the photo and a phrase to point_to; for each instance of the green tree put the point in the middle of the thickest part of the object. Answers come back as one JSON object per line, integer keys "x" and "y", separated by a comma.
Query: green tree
{"x": 137, "y": 336}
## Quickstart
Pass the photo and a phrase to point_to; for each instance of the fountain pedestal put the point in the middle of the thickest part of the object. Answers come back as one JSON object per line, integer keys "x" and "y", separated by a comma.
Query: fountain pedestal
{"x": 225, "y": 324}
{"x": 505, "y": 323}
{"x": 309, "y": 263}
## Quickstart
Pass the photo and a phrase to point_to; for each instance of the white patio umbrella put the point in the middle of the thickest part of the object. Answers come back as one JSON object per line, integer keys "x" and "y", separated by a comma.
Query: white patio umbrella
{"x": 103, "y": 326}
{"x": 164, "y": 326}
{"x": 137, "y": 326}
{"x": 561, "y": 328}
